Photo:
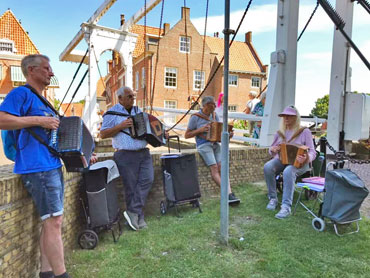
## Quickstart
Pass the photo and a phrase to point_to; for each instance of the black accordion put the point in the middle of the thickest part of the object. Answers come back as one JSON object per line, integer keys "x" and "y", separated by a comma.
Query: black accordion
{"x": 74, "y": 143}
{"x": 148, "y": 127}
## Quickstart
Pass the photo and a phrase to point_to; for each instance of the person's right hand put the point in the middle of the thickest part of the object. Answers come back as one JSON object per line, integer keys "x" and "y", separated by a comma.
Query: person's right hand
{"x": 49, "y": 122}
{"x": 275, "y": 149}
{"x": 205, "y": 128}
{"x": 127, "y": 123}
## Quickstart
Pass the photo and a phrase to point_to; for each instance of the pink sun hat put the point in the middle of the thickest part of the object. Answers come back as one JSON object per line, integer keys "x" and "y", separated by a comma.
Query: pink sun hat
{"x": 288, "y": 111}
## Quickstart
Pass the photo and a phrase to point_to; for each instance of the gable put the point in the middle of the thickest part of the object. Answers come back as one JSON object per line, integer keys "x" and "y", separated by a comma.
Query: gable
{"x": 240, "y": 56}
{"x": 11, "y": 29}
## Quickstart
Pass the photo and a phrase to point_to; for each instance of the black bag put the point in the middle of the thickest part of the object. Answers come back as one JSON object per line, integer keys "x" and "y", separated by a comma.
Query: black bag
{"x": 345, "y": 192}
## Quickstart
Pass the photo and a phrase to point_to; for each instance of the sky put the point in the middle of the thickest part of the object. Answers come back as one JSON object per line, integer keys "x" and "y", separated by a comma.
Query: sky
{"x": 53, "y": 24}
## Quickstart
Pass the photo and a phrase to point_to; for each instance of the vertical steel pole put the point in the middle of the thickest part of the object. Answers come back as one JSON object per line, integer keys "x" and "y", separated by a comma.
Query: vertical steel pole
{"x": 224, "y": 225}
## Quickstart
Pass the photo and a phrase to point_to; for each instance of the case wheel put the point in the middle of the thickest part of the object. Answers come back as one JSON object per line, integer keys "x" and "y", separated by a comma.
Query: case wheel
{"x": 318, "y": 224}
{"x": 88, "y": 239}
{"x": 163, "y": 207}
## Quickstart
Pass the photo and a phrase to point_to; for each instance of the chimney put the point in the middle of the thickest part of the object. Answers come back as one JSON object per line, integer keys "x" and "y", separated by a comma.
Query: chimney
{"x": 166, "y": 28}
{"x": 248, "y": 37}
{"x": 185, "y": 12}
{"x": 122, "y": 19}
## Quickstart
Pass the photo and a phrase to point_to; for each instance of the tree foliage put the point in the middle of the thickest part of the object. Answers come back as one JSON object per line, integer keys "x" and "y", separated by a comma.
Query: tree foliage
{"x": 56, "y": 103}
{"x": 321, "y": 107}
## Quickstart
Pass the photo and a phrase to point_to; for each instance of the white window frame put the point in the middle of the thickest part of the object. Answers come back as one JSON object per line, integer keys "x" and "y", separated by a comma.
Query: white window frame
{"x": 198, "y": 79}
{"x": 233, "y": 83}
{"x": 170, "y": 79}
{"x": 1, "y": 72}
{"x": 184, "y": 44}
{"x": 169, "y": 118}
{"x": 232, "y": 106}
{"x": 254, "y": 81}
{"x": 142, "y": 77}
{"x": 7, "y": 43}
{"x": 137, "y": 81}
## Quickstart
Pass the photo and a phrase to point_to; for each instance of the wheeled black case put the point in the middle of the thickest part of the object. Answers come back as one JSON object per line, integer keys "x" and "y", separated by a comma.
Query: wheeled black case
{"x": 180, "y": 179}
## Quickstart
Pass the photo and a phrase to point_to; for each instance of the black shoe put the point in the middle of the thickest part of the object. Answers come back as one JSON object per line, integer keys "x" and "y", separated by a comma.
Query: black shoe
{"x": 233, "y": 200}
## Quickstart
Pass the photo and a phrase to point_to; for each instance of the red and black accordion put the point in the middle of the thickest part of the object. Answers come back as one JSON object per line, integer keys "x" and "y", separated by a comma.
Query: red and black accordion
{"x": 74, "y": 143}
{"x": 148, "y": 127}
{"x": 145, "y": 127}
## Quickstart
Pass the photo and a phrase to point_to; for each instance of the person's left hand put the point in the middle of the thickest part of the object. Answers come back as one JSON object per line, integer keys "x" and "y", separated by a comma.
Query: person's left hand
{"x": 302, "y": 158}
{"x": 93, "y": 159}
{"x": 166, "y": 134}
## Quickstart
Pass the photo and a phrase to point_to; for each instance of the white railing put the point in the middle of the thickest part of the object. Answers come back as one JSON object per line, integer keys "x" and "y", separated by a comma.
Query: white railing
{"x": 238, "y": 133}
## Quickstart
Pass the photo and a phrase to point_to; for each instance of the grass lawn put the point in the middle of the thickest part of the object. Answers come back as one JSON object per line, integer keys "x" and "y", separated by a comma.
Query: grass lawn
{"x": 259, "y": 246}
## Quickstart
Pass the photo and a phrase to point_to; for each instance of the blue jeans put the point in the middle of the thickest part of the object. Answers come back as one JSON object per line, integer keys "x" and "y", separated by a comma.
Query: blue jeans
{"x": 136, "y": 170}
{"x": 274, "y": 167}
{"x": 47, "y": 191}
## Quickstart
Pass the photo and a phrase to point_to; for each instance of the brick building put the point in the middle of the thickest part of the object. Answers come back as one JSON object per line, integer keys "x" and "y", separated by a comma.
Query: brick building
{"x": 15, "y": 43}
{"x": 168, "y": 70}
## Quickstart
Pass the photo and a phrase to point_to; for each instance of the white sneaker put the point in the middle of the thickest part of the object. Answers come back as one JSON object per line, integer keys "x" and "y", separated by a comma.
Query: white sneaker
{"x": 283, "y": 213}
{"x": 272, "y": 204}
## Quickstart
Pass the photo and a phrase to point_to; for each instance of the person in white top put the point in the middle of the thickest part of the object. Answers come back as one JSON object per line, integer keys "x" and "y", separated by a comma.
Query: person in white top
{"x": 251, "y": 104}
{"x": 253, "y": 100}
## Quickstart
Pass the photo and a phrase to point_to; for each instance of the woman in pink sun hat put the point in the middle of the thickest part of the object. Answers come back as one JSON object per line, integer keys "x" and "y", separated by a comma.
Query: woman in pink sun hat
{"x": 290, "y": 131}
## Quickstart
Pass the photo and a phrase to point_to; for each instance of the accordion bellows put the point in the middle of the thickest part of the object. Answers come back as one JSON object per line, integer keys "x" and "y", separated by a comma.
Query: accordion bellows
{"x": 289, "y": 152}
{"x": 148, "y": 127}
{"x": 214, "y": 133}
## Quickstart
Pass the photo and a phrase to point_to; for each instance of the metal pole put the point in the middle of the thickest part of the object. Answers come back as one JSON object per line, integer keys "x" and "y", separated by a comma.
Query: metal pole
{"x": 224, "y": 225}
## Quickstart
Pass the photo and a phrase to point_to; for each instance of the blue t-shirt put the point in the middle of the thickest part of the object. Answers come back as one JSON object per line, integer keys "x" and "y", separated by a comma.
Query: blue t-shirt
{"x": 32, "y": 156}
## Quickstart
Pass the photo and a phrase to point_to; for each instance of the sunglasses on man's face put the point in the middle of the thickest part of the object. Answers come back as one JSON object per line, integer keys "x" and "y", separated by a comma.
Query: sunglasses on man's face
{"x": 130, "y": 96}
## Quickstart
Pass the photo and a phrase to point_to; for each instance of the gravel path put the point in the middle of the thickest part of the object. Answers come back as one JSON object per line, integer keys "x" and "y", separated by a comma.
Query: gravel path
{"x": 363, "y": 171}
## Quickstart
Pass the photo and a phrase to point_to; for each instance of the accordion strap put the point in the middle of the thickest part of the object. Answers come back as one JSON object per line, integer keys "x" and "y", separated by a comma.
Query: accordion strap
{"x": 207, "y": 119}
{"x": 34, "y": 134}
{"x": 115, "y": 113}
{"x": 295, "y": 135}
{"x": 38, "y": 138}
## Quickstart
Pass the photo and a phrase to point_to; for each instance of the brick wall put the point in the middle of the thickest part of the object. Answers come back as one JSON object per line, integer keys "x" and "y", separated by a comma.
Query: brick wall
{"x": 20, "y": 224}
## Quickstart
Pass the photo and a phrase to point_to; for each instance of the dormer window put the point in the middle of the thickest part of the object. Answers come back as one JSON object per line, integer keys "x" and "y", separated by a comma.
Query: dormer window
{"x": 7, "y": 46}
{"x": 184, "y": 44}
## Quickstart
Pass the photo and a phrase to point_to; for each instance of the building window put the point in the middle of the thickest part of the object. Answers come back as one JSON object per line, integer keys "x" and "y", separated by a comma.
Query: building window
{"x": 153, "y": 40}
{"x": 184, "y": 44}
{"x": 231, "y": 108}
{"x": 7, "y": 46}
{"x": 169, "y": 118}
{"x": 170, "y": 77}
{"x": 137, "y": 81}
{"x": 256, "y": 82}
{"x": 198, "y": 83}
{"x": 142, "y": 77}
{"x": 2, "y": 97}
{"x": 1, "y": 72}
{"x": 233, "y": 80}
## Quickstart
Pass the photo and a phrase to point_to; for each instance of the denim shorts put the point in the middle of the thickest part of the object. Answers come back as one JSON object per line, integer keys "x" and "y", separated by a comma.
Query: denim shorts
{"x": 47, "y": 191}
{"x": 210, "y": 152}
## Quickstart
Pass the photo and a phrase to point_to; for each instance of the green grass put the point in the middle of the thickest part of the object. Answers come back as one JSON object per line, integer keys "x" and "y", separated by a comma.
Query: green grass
{"x": 259, "y": 246}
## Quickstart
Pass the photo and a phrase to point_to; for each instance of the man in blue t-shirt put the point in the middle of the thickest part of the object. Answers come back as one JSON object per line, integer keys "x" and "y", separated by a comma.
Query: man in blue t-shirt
{"x": 198, "y": 126}
{"x": 39, "y": 169}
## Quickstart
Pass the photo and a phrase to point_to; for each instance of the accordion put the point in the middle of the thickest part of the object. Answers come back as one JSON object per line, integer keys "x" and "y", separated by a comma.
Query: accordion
{"x": 214, "y": 133}
{"x": 148, "y": 127}
{"x": 74, "y": 143}
{"x": 289, "y": 152}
